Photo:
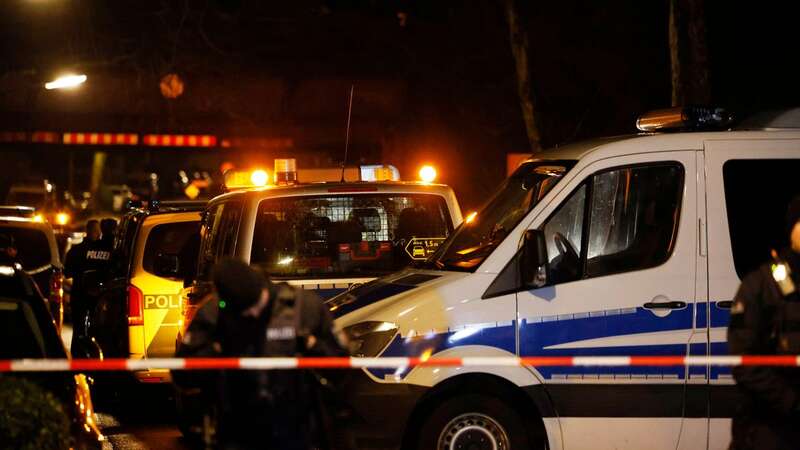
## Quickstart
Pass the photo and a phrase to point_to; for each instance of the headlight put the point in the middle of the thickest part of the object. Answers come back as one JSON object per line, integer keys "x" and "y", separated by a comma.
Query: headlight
{"x": 62, "y": 218}
{"x": 369, "y": 339}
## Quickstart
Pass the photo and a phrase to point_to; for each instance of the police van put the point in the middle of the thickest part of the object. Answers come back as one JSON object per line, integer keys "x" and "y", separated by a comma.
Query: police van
{"x": 630, "y": 245}
{"x": 317, "y": 235}
{"x": 139, "y": 313}
{"x": 322, "y": 236}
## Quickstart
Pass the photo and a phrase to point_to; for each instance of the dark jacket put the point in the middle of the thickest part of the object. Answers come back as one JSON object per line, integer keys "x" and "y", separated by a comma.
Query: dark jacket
{"x": 765, "y": 322}
{"x": 75, "y": 265}
{"x": 266, "y": 409}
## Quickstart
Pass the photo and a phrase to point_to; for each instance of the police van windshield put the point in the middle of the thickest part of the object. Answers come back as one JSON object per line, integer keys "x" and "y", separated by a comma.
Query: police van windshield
{"x": 481, "y": 233}
{"x": 347, "y": 235}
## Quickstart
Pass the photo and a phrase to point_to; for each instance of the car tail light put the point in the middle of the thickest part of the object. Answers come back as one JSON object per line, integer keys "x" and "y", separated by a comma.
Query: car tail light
{"x": 344, "y": 248}
{"x": 385, "y": 246}
{"x": 135, "y": 306}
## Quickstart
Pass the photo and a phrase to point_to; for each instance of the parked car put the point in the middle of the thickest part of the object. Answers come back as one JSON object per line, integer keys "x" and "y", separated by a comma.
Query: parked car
{"x": 27, "y": 331}
{"x": 37, "y": 253}
{"x": 139, "y": 313}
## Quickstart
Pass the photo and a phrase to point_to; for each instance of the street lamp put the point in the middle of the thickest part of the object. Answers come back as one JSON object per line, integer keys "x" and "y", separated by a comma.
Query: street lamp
{"x": 65, "y": 82}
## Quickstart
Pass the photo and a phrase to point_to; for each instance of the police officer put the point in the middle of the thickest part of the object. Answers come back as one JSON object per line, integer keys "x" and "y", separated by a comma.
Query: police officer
{"x": 75, "y": 265}
{"x": 250, "y": 316}
{"x": 765, "y": 320}
{"x": 98, "y": 257}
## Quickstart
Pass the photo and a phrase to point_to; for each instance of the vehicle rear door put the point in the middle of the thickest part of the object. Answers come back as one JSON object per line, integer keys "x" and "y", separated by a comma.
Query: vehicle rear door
{"x": 161, "y": 306}
{"x": 749, "y": 186}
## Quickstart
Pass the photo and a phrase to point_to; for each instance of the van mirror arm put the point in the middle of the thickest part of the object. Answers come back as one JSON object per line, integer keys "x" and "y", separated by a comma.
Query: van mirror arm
{"x": 533, "y": 261}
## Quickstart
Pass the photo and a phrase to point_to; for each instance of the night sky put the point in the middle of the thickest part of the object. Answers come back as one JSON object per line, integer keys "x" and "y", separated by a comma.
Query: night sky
{"x": 439, "y": 89}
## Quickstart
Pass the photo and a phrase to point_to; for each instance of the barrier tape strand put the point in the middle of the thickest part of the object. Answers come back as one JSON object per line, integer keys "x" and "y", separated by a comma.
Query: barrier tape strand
{"x": 87, "y": 365}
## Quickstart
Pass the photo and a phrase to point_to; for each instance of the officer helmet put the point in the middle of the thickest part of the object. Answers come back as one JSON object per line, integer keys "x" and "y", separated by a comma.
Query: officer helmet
{"x": 238, "y": 285}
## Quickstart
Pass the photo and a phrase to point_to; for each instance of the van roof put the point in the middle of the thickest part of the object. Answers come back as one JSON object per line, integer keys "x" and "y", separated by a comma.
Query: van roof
{"x": 656, "y": 142}
{"x": 339, "y": 188}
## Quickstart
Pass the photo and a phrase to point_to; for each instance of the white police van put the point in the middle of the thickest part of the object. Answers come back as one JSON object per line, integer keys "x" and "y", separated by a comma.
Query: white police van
{"x": 631, "y": 245}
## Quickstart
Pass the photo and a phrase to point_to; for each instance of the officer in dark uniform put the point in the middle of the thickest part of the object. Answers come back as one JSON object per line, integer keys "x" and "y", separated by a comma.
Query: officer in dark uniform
{"x": 98, "y": 258}
{"x": 765, "y": 320}
{"x": 75, "y": 265}
{"x": 249, "y": 317}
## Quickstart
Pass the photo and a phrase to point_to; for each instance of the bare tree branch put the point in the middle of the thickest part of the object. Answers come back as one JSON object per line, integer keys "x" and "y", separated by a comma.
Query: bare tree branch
{"x": 688, "y": 53}
{"x": 518, "y": 38}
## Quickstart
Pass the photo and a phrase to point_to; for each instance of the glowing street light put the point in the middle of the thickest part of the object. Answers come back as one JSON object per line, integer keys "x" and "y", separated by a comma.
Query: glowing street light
{"x": 66, "y": 82}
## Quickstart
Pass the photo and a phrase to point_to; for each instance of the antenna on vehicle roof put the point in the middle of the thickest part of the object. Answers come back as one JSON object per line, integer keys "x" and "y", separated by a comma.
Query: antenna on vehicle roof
{"x": 347, "y": 136}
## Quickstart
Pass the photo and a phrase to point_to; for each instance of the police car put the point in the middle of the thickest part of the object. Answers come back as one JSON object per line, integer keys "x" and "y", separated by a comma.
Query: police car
{"x": 630, "y": 245}
{"x": 37, "y": 253}
{"x": 139, "y": 313}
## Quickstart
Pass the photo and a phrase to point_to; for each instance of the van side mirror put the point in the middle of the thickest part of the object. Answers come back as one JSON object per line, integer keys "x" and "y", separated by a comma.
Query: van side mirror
{"x": 167, "y": 265}
{"x": 533, "y": 263}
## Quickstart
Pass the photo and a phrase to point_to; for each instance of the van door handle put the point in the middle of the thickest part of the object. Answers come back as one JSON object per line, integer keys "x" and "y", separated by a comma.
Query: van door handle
{"x": 725, "y": 304}
{"x": 665, "y": 305}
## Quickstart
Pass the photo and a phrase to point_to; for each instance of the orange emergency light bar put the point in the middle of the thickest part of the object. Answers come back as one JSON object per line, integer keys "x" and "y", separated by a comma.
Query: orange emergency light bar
{"x": 242, "y": 179}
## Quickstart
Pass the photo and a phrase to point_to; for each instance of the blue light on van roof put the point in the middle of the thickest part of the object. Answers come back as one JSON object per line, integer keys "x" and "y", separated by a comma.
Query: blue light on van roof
{"x": 684, "y": 118}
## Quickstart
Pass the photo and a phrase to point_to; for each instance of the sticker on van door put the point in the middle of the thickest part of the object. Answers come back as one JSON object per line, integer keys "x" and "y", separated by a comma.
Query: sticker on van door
{"x": 420, "y": 248}
{"x": 161, "y": 301}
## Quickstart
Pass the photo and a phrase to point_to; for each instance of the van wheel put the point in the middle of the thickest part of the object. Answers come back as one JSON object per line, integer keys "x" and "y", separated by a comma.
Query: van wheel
{"x": 473, "y": 422}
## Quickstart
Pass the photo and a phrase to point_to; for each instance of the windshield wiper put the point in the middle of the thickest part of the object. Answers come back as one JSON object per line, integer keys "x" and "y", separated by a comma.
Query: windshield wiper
{"x": 475, "y": 252}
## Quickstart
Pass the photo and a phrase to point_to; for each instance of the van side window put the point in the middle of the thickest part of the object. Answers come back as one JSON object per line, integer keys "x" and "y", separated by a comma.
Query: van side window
{"x": 564, "y": 236}
{"x": 757, "y": 193}
{"x": 218, "y": 234}
{"x": 633, "y": 218}
{"x": 632, "y": 215}
{"x": 170, "y": 239}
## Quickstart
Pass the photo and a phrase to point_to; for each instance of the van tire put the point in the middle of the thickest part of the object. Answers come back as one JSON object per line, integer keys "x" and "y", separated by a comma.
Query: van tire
{"x": 477, "y": 419}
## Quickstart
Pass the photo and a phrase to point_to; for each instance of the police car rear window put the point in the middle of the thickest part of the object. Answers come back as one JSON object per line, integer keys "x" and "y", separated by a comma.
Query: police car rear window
{"x": 170, "y": 239}
{"x": 33, "y": 248}
{"x": 363, "y": 234}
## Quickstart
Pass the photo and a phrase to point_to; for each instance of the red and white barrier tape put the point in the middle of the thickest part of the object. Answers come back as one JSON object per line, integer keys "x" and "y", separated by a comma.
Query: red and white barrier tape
{"x": 79, "y": 365}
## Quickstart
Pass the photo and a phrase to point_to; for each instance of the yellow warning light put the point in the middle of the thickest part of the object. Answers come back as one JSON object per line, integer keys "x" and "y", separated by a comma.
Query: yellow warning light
{"x": 427, "y": 174}
{"x": 38, "y": 218}
{"x": 259, "y": 177}
{"x": 243, "y": 179}
{"x": 192, "y": 191}
{"x": 62, "y": 218}
{"x": 471, "y": 216}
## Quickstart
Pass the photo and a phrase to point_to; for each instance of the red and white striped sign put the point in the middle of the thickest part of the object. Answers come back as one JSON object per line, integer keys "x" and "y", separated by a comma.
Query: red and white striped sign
{"x": 180, "y": 140}
{"x": 13, "y": 136}
{"x": 78, "y": 365}
{"x": 100, "y": 138}
{"x": 45, "y": 137}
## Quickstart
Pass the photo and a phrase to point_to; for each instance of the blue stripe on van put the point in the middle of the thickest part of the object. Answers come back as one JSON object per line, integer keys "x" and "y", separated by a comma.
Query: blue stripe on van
{"x": 538, "y": 333}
